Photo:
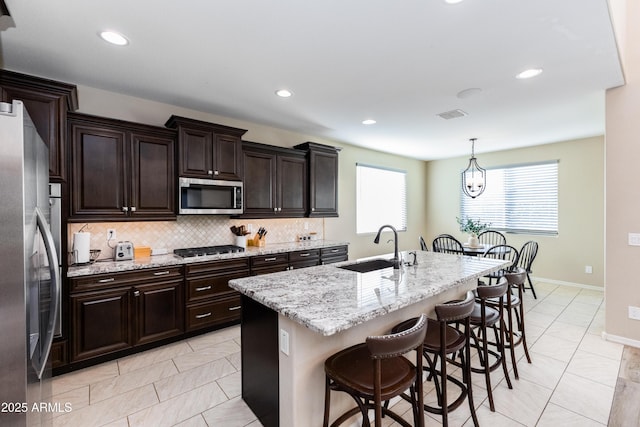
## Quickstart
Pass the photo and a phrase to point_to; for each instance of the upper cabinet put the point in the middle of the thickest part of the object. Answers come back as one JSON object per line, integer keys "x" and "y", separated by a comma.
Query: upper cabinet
{"x": 121, "y": 170}
{"x": 207, "y": 150}
{"x": 323, "y": 179}
{"x": 275, "y": 181}
{"x": 47, "y": 102}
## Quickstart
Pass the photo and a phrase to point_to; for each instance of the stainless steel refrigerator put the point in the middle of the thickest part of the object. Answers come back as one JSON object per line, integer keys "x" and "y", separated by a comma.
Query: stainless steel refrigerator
{"x": 29, "y": 272}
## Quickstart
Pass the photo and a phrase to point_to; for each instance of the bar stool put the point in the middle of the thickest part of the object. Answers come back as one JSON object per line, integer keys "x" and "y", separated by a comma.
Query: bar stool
{"x": 514, "y": 307}
{"x": 482, "y": 319}
{"x": 376, "y": 371}
{"x": 448, "y": 335}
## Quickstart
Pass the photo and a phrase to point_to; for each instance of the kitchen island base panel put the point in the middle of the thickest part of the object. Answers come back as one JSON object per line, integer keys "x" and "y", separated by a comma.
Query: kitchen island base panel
{"x": 259, "y": 341}
{"x": 300, "y": 375}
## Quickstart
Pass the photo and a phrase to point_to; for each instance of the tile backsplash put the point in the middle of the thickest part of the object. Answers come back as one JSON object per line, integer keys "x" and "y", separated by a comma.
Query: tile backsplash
{"x": 192, "y": 230}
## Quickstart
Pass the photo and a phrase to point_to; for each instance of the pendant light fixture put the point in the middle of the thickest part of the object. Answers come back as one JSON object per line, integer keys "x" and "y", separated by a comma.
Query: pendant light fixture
{"x": 474, "y": 178}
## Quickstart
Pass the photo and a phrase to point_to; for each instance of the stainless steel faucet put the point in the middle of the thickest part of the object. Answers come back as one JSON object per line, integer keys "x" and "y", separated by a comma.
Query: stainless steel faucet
{"x": 396, "y": 258}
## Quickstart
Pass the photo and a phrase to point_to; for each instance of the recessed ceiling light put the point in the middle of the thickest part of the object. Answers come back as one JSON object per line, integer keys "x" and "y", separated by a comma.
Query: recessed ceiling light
{"x": 527, "y": 74}
{"x": 114, "y": 38}
{"x": 284, "y": 93}
{"x": 369, "y": 122}
{"x": 453, "y": 1}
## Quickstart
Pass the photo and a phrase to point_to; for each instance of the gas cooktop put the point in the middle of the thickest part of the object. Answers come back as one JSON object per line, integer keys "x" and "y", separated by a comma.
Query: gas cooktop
{"x": 207, "y": 250}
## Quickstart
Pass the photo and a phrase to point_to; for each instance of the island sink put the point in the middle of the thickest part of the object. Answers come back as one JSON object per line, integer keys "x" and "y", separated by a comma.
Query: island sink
{"x": 367, "y": 266}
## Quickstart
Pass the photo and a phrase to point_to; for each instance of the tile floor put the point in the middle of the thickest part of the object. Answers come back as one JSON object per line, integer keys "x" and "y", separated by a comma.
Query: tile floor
{"x": 196, "y": 382}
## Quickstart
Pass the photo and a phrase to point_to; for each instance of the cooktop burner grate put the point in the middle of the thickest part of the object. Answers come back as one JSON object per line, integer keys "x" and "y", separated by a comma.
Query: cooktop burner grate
{"x": 207, "y": 250}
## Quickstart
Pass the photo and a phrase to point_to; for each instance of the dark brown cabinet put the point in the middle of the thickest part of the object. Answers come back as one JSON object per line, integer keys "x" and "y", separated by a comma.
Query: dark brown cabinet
{"x": 275, "y": 181}
{"x": 113, "y": 312}
{"x": 272, "y": 263}
{"x": 47, "y": 102}
{"x": 303, "y": 259}
{"x": 210, "y": 300}
{"x": 334, "y": 254}
{"x": 323, "y": 179}
{"x": 121, "y": 170}
{"x": 207, "y": 150}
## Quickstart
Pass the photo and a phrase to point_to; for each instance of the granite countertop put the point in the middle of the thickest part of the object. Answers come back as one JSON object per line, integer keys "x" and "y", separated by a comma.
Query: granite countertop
{"x": 328, "y": 299}
{"x": 109, "y": 266}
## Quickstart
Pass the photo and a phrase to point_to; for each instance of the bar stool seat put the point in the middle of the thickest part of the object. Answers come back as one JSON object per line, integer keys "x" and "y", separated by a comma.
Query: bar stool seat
{"x": 377, "y": 371}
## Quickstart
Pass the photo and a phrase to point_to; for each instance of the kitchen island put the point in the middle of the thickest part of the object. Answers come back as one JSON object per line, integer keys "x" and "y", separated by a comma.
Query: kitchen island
{"x": 292, "y": 321}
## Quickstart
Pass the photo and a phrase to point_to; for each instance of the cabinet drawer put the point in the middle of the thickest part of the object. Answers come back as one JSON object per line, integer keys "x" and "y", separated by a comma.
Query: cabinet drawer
{"x": 205, "y": 287}
{"x": 269, "y": 260}
{"x": 110, "y": 280}
{"x": 218, "y": 266}
{"x": 304, "y": 256}
{"x": 214, "y": 312}
{"x": 334, "y": 254}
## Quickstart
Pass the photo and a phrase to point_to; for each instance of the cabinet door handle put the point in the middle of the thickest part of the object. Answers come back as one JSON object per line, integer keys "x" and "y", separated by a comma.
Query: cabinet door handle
{"x": 333, "y": 251}
{"x": 203, "y": 288}
{"x": 275, "y": 209}
{"x": 202, "y": 316}
{"x": 136, "y": 294}
{"x": 305, "y": 255}
{"x": 110, "y": 279}
{"x": 133, "y": 208}
{"x": 216, "y": 172}
{"x": 125, "y": 209}
{"x": 161, "y": 273}
{"x": 313, "y": 209}
{"x": 209, "y": 172}
{"x": 237, "y": 307}
{"x": 270, "y": 259}
{"x": 279, "y": 209}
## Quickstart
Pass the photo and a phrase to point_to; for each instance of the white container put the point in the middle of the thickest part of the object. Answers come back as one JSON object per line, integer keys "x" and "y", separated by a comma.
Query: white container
{"x": 241, "y": 241}
{"x": 81, "y": 243}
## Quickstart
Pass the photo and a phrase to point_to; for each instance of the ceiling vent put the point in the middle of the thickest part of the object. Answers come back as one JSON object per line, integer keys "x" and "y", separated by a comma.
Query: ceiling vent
{"x": 453, "y": 114}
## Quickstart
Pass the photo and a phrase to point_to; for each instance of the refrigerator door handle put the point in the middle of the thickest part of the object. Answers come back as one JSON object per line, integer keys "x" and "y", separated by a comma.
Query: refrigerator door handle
{"x": 55, "y": 275}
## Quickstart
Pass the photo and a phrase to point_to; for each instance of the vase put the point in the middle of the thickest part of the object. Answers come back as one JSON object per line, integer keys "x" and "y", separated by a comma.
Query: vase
{"x": 473, "y": 241}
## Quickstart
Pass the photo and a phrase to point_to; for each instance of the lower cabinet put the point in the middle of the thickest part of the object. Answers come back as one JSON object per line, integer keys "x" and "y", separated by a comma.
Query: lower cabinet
{"x": 334, "y": 254}
{"x": 112, "y": 312}
{"x": 272, "y": 263}
{"x": 303, "y": 259}
{"x": 210, "y": 300}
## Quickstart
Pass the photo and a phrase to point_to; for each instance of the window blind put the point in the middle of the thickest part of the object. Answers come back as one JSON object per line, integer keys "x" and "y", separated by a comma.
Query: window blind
{"x": 517, "y": 199}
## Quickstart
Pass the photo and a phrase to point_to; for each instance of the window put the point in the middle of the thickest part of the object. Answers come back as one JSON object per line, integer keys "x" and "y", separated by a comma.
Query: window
{"x": 381, "y": 198}
{"x": 518, "y": 199}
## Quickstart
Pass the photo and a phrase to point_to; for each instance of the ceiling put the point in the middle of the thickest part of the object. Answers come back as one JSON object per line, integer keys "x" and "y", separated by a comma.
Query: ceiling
{"x": 398, "y": 62}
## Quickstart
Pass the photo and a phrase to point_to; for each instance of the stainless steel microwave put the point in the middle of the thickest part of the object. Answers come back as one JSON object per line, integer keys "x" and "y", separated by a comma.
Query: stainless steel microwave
{"x": 209, "y": 197}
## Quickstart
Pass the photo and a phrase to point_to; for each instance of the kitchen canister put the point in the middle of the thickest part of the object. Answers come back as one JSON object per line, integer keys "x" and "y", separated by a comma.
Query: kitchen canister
{"x": 81, "y": 243}
{"x": 241, "y": 241}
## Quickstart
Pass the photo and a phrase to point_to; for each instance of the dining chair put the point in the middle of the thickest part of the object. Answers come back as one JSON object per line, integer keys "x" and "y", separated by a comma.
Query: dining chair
{"x": 423, "y": 244}
{"x": 502, "y": 252}
{"x": 376, "y": 371}
{"x": 492, "y": 238}
{"x": 528, "y": 253}
{"x": 447, "y": 244}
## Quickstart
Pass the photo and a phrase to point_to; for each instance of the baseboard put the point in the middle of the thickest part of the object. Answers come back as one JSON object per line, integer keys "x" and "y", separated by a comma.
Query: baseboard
{"x": 620, "y": 340}
{"x": 563, "y": 283}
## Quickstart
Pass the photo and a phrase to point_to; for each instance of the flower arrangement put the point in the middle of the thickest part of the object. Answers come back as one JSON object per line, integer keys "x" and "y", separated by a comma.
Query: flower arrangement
{"x": 472, "y": 227}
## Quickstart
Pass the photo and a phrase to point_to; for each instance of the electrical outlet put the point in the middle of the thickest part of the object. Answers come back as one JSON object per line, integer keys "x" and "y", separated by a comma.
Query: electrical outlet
{"x": 588, "y": 269}
{"x": 250, "y": 228}
{"x": 306, "y": 225}
{"x": 634, "y": 312}
{"x": 111, "y": 233}
{"x": 634, "y": 239}
{"x": 284, "y": 341}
